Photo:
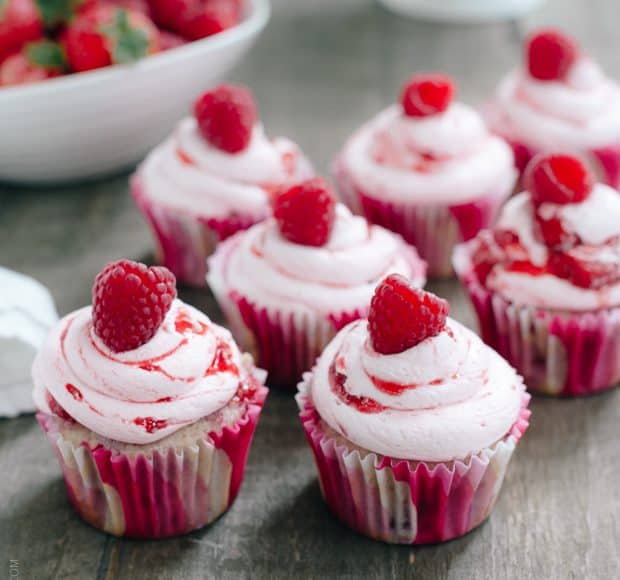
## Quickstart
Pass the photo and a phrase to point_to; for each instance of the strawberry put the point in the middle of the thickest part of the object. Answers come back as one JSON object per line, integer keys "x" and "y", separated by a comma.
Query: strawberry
{"x": 558, "y": 179}
{"x": 226, "y": 116}
{"x": 305, "y": 213}
{"x": 401, "y": 315}
{"x": 550, "y": 54}
{"x": 130, "y": 302}
{"x": 427, "y": 94}
{"x": 195, "y": 19}
{"x": 106, "y": 35}
{"x": 20, "y": 22}
{"x": 36, "y": 61}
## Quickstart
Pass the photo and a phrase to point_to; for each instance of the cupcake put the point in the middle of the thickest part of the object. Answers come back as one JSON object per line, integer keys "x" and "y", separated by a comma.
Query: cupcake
{"x": 149, "y": 406}
{"x": 412, "y": 420}
{"x": 559, "y": 99}
{"x": 545, "y": 282}
{"x": 427, "y": 169}
{"x": 288, "y": 284}
{"x": 213, "y": 177}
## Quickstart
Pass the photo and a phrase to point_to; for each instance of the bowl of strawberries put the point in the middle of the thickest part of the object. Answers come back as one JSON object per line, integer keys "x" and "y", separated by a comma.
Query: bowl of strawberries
{"x": 87, "y": 87}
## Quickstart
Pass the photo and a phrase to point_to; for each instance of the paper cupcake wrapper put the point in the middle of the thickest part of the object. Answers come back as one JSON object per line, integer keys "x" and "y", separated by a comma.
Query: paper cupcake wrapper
{"x": 166, "y": 491}
{"x": 558, "y": 353}
{"x": 433, "y": 229}
{"x": 605, "y": 160}
{"x": 285, "y": 341}
{"x": 184, "y": 241}
{"x": 407, "y": 502}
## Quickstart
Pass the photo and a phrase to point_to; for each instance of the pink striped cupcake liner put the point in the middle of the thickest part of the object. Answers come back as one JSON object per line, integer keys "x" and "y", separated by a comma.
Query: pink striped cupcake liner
{"x": 558, "y": 353}
{"x": 165, "y": 491}
{"x": 406, "y": 502}
{"x": 605, "y": 160}
{"x": 184, "y": 241}
{"x": 434, "y": 230}
{"x": 284, "y": 341}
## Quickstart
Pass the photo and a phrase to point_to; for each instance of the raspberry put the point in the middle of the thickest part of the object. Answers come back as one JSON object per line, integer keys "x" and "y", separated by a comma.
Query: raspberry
{"x": 584, "y": 268}
{"x": 427, "y": 94}
{"x": 402, "y": 315}
{"x": 552, "y": 233}
{"x": 559, "y": 179}
{"x": 550, "y": 54}
{"x": 226, "y": 116}
{"x": 107, "y": 34}
{"x": 130, "y": 301}
{"x": 305, "y": 213}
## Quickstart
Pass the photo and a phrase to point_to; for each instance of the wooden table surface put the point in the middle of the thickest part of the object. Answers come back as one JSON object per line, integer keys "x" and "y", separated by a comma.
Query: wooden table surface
{"x": 321, "y": 67}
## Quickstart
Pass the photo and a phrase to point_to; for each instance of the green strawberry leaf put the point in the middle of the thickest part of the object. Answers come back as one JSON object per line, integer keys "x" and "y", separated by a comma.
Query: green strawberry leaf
{"x": 46, "y": 54}
{"x": 3, "y": 4}
{"x": 129, "y": 43}
{"x": 57, "y": 12}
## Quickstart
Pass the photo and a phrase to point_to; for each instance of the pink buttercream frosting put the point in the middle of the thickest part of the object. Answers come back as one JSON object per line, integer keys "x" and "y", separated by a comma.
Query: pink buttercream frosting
{"x": 266, "y": 268}
{"x": 576, "y": 113}
{"x": 446, "y": 398}
{"x": 448, "y": 158}
{"x": 185, "y": 172}
{"x": 188, "y": 370}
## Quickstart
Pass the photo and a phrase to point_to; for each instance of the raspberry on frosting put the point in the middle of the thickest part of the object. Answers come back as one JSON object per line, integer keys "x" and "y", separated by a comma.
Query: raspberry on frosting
{"x": 226, "y": 116}
{"x": 402, "y": 315}
{"x": 427, "y": 94}
{"x": 557, "y": 178}
{"x": 130, "y": 302}
{"x": 305, "y": 213}
{"x": 550, "y": 54}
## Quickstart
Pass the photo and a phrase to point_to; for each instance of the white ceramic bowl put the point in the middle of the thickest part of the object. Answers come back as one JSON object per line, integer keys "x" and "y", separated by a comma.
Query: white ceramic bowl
{"x": 463, "y": 10}
{"x": 93, "y": 123}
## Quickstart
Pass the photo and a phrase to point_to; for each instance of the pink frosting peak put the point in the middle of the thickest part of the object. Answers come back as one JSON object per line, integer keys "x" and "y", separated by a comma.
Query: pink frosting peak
{"x": 446, "y": 158}
{"x": 186, "y": 172}
{"x": 446, "y": 398}
{"x": 188, "y": 370}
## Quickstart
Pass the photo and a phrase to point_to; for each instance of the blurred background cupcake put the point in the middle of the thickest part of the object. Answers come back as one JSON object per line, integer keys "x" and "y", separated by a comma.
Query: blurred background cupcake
{"x": 545, "y": 281}
{"x": 559, "y": 99}
{"x": 154, "y": 402}
{"x": 215, "y": 175}
{"x": 288, "y": 284}
{"x": 412, "y": 420}
{"x": 427, "y": 169}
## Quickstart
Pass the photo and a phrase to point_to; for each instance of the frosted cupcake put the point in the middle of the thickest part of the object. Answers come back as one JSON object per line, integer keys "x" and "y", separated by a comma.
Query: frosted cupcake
{"x": 559, "y": 99}
{"x": 149, "y": 406}
{"x": 428, "y": 169}
{"x": 215, "y": 175}
{"x": 288, "y": 284}
{"x": 412, "y": 420}
{"x": 545, "y": 282}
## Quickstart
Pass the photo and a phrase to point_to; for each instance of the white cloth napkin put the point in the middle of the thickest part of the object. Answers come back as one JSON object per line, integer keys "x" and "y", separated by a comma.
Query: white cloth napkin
{"x": 27, "y": 312}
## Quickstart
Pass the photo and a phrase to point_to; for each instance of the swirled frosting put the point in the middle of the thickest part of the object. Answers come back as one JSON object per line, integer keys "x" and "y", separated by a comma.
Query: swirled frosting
{"x": 582, "y": 111}
{"x": 188, "y": 370}
{"x": 266, "y": 268}
{"x": 523, "y": 273}
{"x": 187, "y": 173}
{"x": 446, "y": 398}
{"x": 449, "y": 157}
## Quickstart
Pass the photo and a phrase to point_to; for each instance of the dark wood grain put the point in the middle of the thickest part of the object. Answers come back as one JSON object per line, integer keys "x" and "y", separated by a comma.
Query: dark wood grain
{"x": 320, "y": 69}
